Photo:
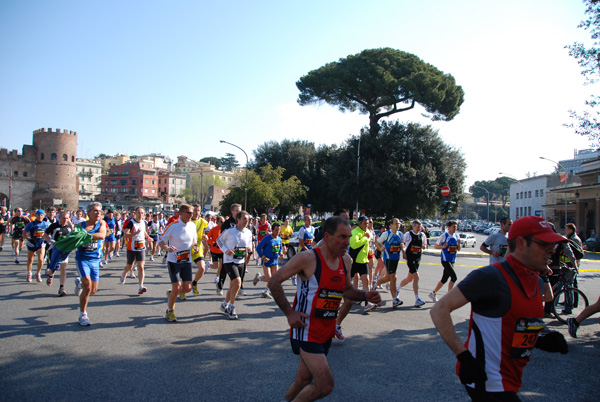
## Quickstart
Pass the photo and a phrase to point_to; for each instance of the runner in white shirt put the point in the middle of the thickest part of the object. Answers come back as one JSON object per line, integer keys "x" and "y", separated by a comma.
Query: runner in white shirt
{"x": 181, "y": 238}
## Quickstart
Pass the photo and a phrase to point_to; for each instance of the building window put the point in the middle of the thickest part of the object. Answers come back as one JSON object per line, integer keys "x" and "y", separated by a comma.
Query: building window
{"x": 145, "y": 190}
{"x": 53, "y": 157}
{"x": 113, "y": 182}
{"x": 146, "y": 181}
{"x": 133, "y": 182}
{"x": 153, "y": 191}
{"x": 65, "y": 158}
{"x": 16, "y": 173}
{"x": 114, "y": 190}
{"x": 529, "y": 210}
{"x": 42, "y": 156}
{"x": 123, "y": 182}
{"x": 541, "y": 192}
{"x": 517, "y": 196}
{"x": 530, "y": 196}
{"x": 153, "y": 181}
{"x": 72, "y": 158}
{"x": 24, "y": 174}
{"x": 537, "y": 193}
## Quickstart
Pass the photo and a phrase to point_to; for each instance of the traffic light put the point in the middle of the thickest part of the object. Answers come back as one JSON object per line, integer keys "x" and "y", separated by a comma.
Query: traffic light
{"x": 450, "y": 207}
{"x": 444, "y": 208}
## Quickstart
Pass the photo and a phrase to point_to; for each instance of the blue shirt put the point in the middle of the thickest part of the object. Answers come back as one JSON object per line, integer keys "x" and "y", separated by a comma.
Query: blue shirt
{"x": 93, "y": 250}
{"x": 35, "y": 231}
{"x": 270, "y": 248}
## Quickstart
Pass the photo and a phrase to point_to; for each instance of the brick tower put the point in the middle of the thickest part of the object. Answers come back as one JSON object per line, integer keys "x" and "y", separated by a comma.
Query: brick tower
{"x": 56, "y": 173}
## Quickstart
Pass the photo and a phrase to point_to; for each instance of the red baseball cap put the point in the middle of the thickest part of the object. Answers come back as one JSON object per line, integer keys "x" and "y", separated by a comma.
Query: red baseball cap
{"x": 535, "y": 226}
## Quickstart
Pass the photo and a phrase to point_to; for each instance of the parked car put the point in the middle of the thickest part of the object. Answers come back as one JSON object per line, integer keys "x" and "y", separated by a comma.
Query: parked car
{"x": 434, "y": 235}
{"x": 467, "y": 240}
{"x": 592, "y": 244}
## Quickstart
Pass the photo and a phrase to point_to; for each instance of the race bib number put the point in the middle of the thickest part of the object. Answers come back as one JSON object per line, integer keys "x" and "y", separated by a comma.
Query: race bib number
{"x": 183, "y": 256}
{"x": 275, "y": 250}
{"x": 415, "y": 249}
{"x": 328, "y": 303}
{"x": 452, "y": 249}
{"x": 90, "y": 247}
{"x": 263, "y": 233}
{"x": 38, "y": 234}
{"x": 285, "y": 237}
{"x": 138, "y": 245}
{"x": 20, "y": 225}
{"x": 525, "y": 337}
{"x": 502, "y": 250}
{"x": 239, "y": 252}
{"x": 394, "y": 249}
{"x": 111, "y": 231}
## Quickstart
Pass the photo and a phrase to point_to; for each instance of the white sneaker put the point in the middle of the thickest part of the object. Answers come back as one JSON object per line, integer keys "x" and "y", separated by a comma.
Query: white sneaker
{"x": 151, "y": 258}
{"x": 433, "y": 296}
{"x": 370, "y": 306}
{"x": 223, "y": 307}
{"x": 419, "y": 302}
{"x": 231, "y": 312}
{"x": 256, "y": 279}
{"x": 84, "y": 320}
{"x": 396, "y": 302}
{"x": 77, "y": 287}
{"x": 265, "y": 295}
{"x": 123, "y": 278}
{"x": 242, "y": 293}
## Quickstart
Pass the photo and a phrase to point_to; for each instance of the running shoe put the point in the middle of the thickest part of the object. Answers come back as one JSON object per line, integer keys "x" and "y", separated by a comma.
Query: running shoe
{"x": 78, "y": 287}
{"x": 231, "y": 312}
{"x": 338, "y": 333}
{"x": 151, "y": 258}
{"x": 29, "y": 277}
{"x": 242, "y": 293}
{"x": 100, "y": 263}
{"x": 373, "y": 287}
{"x": 38, "y": 277}
{"x": 370, "y": 306}
{"x": 164, "y": 260}
{"x": 182, "y": 296}
{"x": 49, "y": 280}
{"x": 195, "y": 289}
{"x": 132, "y": 275}
{"x": 266, "y": 295}
{"x": 567, "y": 311}
{"x": 47, "y": 272}
{"x": 123, "y": 278}
{"x": 170, "y": 316}
{"x": 142, "y": 290}
{"x": 572, "y": 325}
{"x": 61, "y": 291}
{"x": 84, "y": 320}
{"x": 419, "y": 302}
{"x": 117, "y": 255}
{"x": 17, "y": 260}
{"x": 433, "y": 296}
{"x": 216, "y": 279}
{"x": 223, "y": 307}
{"x": 256, "y": 279}
{"x": 396, "y": 302}
{"x": 105, "y": 262}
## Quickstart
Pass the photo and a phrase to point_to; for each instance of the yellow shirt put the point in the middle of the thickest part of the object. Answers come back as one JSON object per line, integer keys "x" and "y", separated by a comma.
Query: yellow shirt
{"x": 201, "y": 224}
{"x": 285, "y": 233}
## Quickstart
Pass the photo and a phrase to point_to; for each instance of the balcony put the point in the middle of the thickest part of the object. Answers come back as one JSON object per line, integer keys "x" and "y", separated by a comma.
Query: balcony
{"x": 86, "y": 174}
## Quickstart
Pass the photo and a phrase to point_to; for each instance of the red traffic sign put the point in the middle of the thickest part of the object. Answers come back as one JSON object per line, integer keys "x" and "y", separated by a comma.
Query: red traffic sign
{"x": 445, "y": 191}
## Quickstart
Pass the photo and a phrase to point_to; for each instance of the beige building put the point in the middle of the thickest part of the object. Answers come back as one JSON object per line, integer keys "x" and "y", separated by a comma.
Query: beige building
{"x": 89, "y": 179}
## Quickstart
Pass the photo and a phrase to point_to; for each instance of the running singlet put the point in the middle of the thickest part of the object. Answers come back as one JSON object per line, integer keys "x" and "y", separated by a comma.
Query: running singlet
{"x": 262, "y": 230}
{"x": 110, "y": 233}
{"x": 319, "y": 297}
{"x": 285, "y": 233}
{"x": 36, "y": 231}
{"x": 504, "y": 344}
{"x": 137, "y": 242}
{"x": 271, "y": 248}
{"x": 392, "y": 244}
{"x": 415, "y": 247}
{"x": 19, "y": 223}
{"x": 154, "y": 228}
{"x": 93, "y": 250}
{"x": 448, "y": 253}
{"x": 307, "y": 234}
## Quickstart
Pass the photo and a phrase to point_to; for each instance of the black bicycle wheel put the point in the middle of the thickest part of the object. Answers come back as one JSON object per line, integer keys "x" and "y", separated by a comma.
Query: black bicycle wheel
{"x": 568, "y": 303}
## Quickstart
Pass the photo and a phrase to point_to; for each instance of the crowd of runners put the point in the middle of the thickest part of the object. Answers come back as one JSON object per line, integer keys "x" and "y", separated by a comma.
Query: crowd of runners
{"x": 331, "y": 263}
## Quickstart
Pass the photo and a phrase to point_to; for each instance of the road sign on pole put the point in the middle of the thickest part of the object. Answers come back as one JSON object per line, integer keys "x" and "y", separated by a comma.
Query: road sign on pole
{"x": 445, "y": 191}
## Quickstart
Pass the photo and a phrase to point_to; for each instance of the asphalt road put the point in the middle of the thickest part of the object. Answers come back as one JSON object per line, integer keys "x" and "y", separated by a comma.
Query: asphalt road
{"x": 130, "y": 352}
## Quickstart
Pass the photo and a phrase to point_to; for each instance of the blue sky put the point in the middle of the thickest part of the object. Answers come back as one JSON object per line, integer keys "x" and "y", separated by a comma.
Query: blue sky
{"x": 176, "y": 77}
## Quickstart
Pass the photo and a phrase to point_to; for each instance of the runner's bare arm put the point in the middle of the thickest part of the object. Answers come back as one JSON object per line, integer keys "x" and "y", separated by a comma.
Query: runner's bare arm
{"x": 440, "y": 315}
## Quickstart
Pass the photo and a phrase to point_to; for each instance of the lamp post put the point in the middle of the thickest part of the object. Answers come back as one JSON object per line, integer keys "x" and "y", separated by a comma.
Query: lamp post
{"x": 245, "y": 184}
{"x": 566, "y": 177}
{"x": 357, "y": 172}
{"x": 488, "y": 201}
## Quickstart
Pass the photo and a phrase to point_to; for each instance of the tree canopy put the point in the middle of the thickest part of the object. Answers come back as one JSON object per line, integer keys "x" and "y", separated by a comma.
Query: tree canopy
{"x": 380, "y": 83}
{"x": 588, "y": 122}
{"x": 402, "y": 170}
{"x": 267, "y": 189}
{"x": 213, "y": 160}
{"x": 499, "y": 189}
{"x": 228, "y": 162}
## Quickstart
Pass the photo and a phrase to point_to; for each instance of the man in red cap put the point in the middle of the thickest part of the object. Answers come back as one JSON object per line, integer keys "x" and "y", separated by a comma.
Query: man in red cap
{"x": 506, "y": 314}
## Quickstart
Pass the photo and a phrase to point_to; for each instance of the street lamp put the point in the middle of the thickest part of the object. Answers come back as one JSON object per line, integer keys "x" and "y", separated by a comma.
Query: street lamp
{"x": 246, "y": 184}
{"x": 565, "y": 169}
{"x": 357, "y": 176}
{"x": 488, "y": 201}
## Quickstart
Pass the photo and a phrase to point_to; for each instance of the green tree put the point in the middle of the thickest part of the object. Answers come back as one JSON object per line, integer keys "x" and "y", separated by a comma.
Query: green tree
{"x": 587, "y": 123}
{"x": 213, "y": 160}
{"x": 267, "y": 189}
{"x": 402, "y": 171}
{"x": 198, "y": 186}
{"x": 380, "y": 83}
{"x": 228, "y": 162}
{"x": 498, "y": 188}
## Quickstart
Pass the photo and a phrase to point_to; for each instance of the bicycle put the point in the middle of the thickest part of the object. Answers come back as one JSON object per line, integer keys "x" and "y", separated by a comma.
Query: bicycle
{"x": 568, "y": 300}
